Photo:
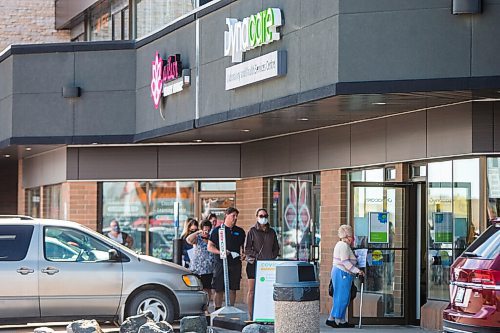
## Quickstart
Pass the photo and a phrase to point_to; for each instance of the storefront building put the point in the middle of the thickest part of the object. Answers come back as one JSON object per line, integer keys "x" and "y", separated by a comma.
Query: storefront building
{"x": 382, "y": 116}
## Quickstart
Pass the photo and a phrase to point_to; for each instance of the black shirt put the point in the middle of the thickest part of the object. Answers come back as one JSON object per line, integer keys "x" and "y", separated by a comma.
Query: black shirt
{"x": 235, "y": 239}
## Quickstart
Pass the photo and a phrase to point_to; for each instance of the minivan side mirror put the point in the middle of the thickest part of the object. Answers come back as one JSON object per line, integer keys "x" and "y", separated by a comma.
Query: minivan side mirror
{"x": 113, "y": 255}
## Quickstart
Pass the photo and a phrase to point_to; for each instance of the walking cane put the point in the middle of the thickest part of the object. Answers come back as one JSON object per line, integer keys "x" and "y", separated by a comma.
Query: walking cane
{"x": 362, "y": 280}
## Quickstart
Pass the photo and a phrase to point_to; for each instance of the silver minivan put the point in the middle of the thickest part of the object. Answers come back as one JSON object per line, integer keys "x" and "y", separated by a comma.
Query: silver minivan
{"x": 61, "y": 270}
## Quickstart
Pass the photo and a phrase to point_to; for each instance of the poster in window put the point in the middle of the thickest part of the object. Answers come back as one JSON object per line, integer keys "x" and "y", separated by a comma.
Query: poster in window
{"x": 443, "y": 227}
{"x": 378, "y": 228}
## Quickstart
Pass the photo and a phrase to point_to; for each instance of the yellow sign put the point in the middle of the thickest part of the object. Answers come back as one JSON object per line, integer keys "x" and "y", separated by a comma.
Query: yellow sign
{"x": 377, "y": 255}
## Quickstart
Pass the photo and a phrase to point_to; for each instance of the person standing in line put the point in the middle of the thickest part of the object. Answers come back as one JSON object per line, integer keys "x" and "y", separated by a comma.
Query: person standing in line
{"x": 203, "y": 262}
{"x": 118, "y": 236}
{"x": 261, "y": 244}
{"x": 343, "y": 271}
{"x": 213, "y": 218}
{"x": 235, "y": 240}
{"x": 190, "y": 226}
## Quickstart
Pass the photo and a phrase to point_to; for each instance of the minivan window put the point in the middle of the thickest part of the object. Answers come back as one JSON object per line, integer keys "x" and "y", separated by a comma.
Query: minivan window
{"x": 15, "y": 241}
{"x": 65, "y": 244}
{"x": 486, "y": 246}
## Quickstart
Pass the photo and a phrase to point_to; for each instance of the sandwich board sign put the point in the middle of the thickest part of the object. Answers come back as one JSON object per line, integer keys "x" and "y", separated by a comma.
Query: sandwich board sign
{"x": 263, "y": 303}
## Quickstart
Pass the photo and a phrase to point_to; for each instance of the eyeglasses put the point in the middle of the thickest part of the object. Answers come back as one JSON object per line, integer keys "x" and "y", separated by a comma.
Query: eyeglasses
{"x": 193, "y": 230}
{"x": 262, "y": 216}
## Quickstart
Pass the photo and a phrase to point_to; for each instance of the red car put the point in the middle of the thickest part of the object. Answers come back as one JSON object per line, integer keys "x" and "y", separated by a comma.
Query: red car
{"x": 475, "y": 287}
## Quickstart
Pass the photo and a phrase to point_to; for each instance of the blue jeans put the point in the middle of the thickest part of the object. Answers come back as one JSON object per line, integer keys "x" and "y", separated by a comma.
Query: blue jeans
{"x": 342, "y": 282}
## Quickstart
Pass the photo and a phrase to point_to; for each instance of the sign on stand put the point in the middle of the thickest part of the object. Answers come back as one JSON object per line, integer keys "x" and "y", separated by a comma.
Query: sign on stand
{"x": 263, "y": 303}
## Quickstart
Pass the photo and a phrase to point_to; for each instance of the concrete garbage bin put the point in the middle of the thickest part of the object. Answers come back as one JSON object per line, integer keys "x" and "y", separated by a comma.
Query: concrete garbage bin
{"x": 296, "y": 298}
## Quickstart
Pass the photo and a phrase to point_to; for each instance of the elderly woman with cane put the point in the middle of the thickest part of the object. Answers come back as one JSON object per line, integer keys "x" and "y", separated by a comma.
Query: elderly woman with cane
{"x": 343, "y": 271}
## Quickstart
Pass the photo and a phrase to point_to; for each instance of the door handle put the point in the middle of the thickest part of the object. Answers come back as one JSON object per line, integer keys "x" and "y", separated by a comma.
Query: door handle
{"x": 25, "y": 270}
{"x": 50, "y": 270}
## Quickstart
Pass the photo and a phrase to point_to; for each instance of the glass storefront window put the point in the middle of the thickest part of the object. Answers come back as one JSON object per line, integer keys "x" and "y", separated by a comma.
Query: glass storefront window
{"x": 154, "y": 14}
{"x": 100, "y": 22}
{"x": 493, "y": 165}
{"x": 370, "y": 175}
{"x": 453, "y": 218}
{"x": 294, "y": 214}
{"x": 32, "y": 202}
{"x": 52, "y": 202}
{"x": 126, "y": 202}
{"x": 218, "y": 186}
{"x": 138, "y": 205}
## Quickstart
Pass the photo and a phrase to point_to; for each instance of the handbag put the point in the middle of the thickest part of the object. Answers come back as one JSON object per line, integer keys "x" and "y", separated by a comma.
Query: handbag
{"x": 354, "y": 290}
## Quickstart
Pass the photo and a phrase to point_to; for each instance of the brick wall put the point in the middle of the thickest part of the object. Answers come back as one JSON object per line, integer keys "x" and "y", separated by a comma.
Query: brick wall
{"x": 20, "y": 189}
{"x": 250, "y": 195}
{"x": 81, "y": 199}
{"x": 29, "y": 22}
{"x": 333, "y": 214}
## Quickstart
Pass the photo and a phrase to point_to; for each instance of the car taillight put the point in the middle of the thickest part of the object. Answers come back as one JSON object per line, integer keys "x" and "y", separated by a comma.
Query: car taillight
{"x": 483, "y": 277}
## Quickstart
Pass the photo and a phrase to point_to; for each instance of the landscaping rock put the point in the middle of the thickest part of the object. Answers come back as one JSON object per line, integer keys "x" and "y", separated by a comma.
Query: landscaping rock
{"x": 133, "y": 323}
{"x": 258, "y": 328}
{"x": 196, "y": 324}
{"x": 84, "y": 326}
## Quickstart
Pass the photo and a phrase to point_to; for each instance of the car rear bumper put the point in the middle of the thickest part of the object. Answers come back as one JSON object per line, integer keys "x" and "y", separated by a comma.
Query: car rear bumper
{"x": 451, "y": 327}
{"x": 192, "y": 302}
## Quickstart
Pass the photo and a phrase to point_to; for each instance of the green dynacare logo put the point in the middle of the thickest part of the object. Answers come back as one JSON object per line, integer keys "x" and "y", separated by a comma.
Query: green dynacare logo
{"x": 251, "y": 32}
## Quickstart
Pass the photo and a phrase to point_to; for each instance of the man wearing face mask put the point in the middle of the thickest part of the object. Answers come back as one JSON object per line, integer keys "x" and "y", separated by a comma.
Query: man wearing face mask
{"x": 119, "y": 236}
{"x": 261, "y": 244}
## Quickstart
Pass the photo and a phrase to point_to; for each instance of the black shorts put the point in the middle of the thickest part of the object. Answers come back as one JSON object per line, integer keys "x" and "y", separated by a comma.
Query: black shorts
{"x": 206, "y": 280}
{"x": 251, "y": 270}
{"x": 234, "y": 276}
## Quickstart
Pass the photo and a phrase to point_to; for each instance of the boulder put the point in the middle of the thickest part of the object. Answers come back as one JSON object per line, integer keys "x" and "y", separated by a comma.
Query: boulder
{"x": 133, "y": 323}
{"x": 196, "y": 324}
{"x": 257, "y": 328}
{"x": 84, "y": 326}
{"x": 152, "y": 327}
{"x": 43, "y": 330}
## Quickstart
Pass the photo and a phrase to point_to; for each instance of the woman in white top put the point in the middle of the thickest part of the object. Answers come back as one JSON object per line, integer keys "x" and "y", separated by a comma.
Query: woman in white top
{"x": 343, "y": 270}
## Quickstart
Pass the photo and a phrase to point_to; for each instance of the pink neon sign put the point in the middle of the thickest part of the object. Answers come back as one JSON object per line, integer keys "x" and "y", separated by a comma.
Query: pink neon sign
{"x": 161, "y": 73}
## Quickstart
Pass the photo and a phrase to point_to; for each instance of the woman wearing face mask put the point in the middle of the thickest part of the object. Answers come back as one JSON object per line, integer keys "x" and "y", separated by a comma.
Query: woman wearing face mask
{"x": 261, "y": 244}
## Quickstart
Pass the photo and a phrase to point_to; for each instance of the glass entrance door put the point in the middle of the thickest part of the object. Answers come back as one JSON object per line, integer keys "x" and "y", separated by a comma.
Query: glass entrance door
{"x": 379, "y": 214}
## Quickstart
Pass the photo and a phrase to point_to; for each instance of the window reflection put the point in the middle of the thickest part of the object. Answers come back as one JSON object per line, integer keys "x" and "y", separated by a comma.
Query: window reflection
{"x": 138, "y": 205}
{"x": 453, "y": 218}
{"x": 154, "y": 14}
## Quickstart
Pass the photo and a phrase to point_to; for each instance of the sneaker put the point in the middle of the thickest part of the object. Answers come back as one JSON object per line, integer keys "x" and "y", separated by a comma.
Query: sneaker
{"x": 346, "y": 325}
{"x": 331, "y": 323}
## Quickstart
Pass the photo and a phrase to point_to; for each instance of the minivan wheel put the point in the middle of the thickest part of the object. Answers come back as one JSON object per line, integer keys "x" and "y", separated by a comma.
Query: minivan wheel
{"x": 158, "y": 303}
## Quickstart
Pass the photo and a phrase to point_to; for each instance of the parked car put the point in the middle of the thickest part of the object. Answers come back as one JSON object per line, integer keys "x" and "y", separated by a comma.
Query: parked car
{"x": 475, "y": 287}
{"x": 61, "y": 270}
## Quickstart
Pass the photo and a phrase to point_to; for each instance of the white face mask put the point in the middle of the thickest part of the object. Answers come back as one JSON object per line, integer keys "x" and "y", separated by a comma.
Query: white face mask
{"x": 262, "y": 220}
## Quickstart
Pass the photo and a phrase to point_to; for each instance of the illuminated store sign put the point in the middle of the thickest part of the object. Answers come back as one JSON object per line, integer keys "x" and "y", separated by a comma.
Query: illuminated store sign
{"x": 255, "y": 70}
{"x": 167, "y": 77}
{"x": 251, "y": 32}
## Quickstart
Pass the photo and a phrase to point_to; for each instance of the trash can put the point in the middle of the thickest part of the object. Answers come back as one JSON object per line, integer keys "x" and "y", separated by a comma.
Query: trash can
{"x": 296, "y": 298}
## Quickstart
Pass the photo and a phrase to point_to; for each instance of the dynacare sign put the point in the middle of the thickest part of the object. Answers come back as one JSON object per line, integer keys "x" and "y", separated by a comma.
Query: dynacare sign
{"x": 258, "y": 69}
{"x": 251, "y": 32}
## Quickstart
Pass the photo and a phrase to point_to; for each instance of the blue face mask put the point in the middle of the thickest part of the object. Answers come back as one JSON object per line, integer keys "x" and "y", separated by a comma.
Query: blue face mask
{"x": 116, "y": 228}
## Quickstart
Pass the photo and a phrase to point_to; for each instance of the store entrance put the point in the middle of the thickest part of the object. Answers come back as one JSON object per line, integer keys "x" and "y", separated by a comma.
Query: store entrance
{"x": 384, "y": 217}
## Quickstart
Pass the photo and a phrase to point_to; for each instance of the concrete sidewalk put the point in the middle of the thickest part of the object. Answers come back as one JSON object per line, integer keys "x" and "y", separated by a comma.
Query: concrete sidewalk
{"x": 109, "y": 328}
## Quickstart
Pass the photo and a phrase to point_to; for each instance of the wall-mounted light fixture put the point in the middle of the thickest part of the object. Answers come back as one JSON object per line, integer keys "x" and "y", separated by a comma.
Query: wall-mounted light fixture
{"x": 71, "y": 91}
{"x": 466, "y": 7}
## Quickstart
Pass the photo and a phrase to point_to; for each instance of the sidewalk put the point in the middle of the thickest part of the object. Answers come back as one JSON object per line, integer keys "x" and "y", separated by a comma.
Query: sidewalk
{"x": 109, "y": 328}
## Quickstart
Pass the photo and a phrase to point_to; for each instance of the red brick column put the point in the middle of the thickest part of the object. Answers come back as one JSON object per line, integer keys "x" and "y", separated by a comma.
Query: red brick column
{"x": 333, "y": 214}
{"x": 81, "y": 200}
{"x": 20, "y": 189}
{"x": 250, "y": 195}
